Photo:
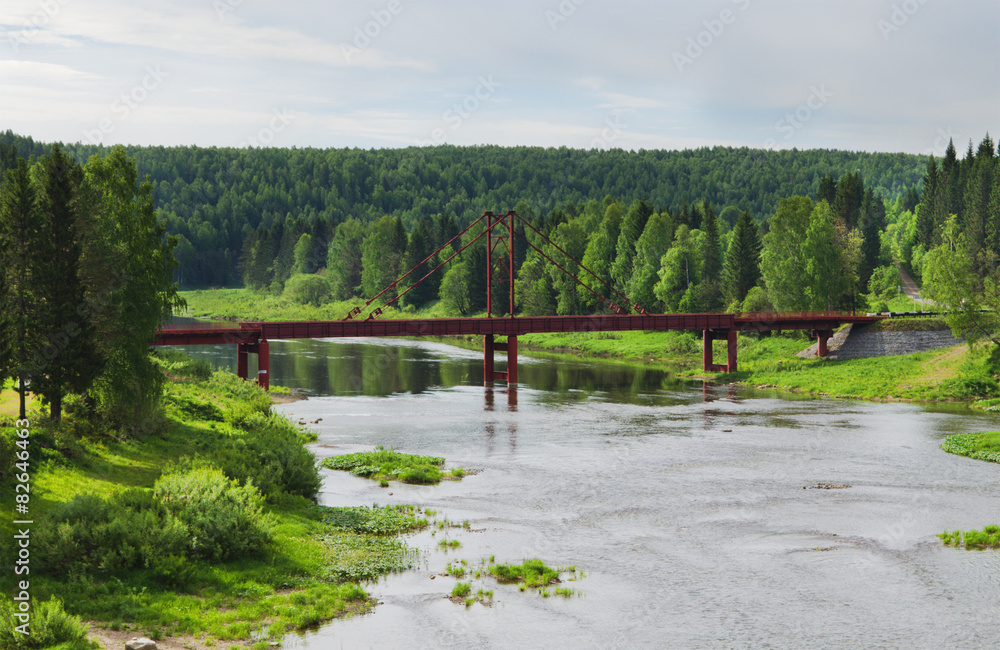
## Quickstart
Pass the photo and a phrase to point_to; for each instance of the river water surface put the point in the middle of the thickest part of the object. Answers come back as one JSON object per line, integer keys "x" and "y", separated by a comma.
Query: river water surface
{"x": 701, "y": 516}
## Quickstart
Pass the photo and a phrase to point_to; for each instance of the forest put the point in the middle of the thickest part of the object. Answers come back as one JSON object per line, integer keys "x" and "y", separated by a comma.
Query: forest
{"x": 220, "y": 203}
{"x": 702, "y": 230}
{"x": 85, "y": 281}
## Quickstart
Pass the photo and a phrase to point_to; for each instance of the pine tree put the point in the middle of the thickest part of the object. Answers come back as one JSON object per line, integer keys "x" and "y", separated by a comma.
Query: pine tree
{"x": 872, "y": 223}
{"x": 847, "y": 204}
{"x": 18, "y": 235}
{"x": 926, "y": 215}
{"x": 417, "y": 249}
{"x": 711, "y": 291}
{"x": 741, "y": 270}
{"x": 827, "y": 189}
{"x": 950, "y": 173}
{"x": 993, "y": 218}
{"x": 69, "y": 360}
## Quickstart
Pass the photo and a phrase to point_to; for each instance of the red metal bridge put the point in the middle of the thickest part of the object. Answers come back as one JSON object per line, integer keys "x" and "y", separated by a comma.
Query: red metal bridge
{"x": 252, "y": 337}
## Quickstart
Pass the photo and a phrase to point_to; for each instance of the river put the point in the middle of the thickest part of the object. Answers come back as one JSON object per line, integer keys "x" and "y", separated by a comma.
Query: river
{"x": 702, "y": 516}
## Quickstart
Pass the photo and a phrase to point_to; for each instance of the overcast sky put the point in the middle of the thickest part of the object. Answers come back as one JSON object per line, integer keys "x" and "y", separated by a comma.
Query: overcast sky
{"x": 872, "y": 75}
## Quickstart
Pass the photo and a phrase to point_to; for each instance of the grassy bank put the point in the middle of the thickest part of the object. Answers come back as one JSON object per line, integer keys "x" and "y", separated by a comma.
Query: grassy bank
{"x": 117, "y": 533}
{"x": 245, "y": 304}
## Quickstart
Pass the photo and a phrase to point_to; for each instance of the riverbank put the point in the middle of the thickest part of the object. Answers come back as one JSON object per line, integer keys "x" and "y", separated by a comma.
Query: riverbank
{"x": 942, "y": 375}
{"x": 108, "y": 543}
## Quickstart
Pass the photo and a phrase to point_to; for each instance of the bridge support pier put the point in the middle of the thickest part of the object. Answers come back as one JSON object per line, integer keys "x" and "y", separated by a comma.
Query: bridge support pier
{"x": 241, "y": 360}
{"x": 707, "y": 357}
{"x": 490, "y": 345}
{"x": 261, "y": 349}
{"x": 263, "y": 365}
{"x": 822, "y": 336}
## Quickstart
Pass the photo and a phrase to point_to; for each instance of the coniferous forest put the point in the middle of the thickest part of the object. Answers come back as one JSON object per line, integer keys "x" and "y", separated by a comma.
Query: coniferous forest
{"x": 693, "y": 230}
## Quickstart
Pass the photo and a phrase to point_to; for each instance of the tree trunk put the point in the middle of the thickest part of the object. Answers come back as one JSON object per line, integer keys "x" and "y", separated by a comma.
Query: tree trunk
{"x": 55, "y": 407}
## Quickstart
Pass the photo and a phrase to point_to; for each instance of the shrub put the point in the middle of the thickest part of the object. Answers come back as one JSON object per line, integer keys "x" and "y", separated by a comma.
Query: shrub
{"x": 272, "y": 455}
{"x": 307, "y": 289}
{"x": 127, "y": 531}
{"x": 225, "y": 519}
{"x": 50, "y": 627}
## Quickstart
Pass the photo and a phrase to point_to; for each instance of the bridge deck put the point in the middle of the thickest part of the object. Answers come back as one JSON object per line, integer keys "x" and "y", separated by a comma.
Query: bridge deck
{"x": 249, "y": 332}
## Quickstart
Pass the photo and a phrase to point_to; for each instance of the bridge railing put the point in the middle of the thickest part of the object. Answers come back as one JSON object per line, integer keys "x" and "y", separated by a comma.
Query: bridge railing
{"x": 213, "y": 325}
{"x": 797, "y": 315}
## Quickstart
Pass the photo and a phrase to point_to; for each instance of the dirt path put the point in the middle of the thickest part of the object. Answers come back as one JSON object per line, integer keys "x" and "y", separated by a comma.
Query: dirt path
{"x": 910, "y": 288}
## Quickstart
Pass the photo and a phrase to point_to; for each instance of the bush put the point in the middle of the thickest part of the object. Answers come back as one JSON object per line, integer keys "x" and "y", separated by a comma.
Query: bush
{"x": 307, "y": 289}
{"x": 272, "y": 455}
{"x": 757, "y": 301}
{"x": 130, "y": 530}
{"x": 249, "y": 393}
{"x": 50, "y": 627}
{"x": 179, "y": 364}
{"x": 225, "y": 520}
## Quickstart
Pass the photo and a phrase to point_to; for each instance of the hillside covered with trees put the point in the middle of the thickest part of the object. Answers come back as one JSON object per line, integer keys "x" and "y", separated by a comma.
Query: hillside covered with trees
{"x": 239, "y": 213}
{"x": 704, "y": 230}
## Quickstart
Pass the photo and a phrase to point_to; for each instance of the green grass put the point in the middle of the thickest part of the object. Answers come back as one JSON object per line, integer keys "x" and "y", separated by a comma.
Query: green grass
{"x": 307, "y": 574}
{"x": 981, "y": 446}
{"x": 671, "y": 347}
{"x": 988, "y": 537}
{"x": 387, "y": 464}
{"x": 246, "y": 305}
{"x": 908, "y": 325}
{"x": 533, "y": 573}
{"x": 946, "y": 374}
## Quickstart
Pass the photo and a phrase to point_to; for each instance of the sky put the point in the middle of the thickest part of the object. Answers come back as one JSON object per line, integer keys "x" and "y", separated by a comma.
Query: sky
{"x": 859, "y": 75}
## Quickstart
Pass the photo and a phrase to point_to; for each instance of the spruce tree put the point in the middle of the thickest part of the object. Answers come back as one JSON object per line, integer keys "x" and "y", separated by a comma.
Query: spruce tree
{"x": 68, "y": 360}
{"x": 418, "y": 248}
{"x": 827, "y": 189}
{"x": 872, "y": 223}
{"x": 925, "y": 216}
{"x": 850, "y": 195}
{"x": 741, "y": 270}
{"x": 950, "y": 173}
